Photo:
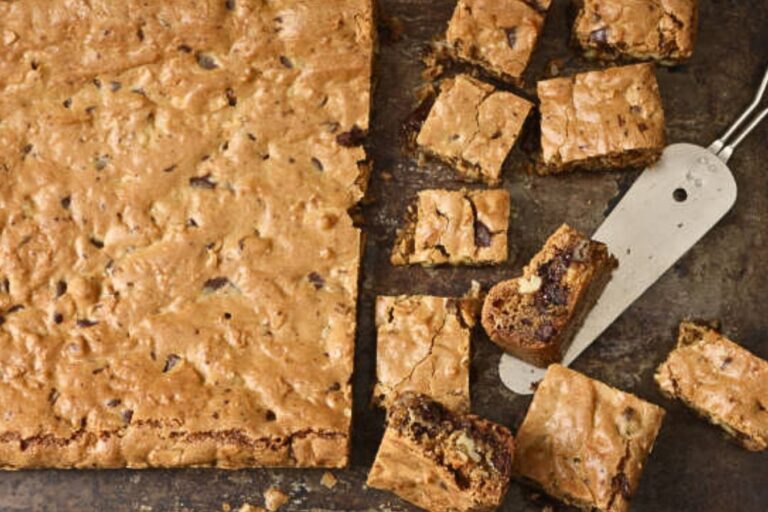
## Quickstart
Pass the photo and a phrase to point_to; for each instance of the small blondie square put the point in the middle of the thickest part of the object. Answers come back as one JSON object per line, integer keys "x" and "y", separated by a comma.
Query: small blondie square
{"x": 441, "y": 460}
{"x": 455, "y": 227}
{"x": 664, "y": 31}
{"x": 498, "y": 35}
{"x": 607, "y": 119}
{"x": 585, "y": 442}
{"x": 472, "y": 126}
{"x": 536, "y": 316}
{"x": 423, "y": 345}
{"x": 720, "y": 380}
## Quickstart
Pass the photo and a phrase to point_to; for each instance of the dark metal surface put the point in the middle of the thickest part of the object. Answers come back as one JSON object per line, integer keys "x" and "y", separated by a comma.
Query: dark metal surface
{"x": 693, "y": 468}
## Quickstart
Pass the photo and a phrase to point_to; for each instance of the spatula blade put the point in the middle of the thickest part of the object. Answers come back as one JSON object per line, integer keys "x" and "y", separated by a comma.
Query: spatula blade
{"x": 669, "y": 208}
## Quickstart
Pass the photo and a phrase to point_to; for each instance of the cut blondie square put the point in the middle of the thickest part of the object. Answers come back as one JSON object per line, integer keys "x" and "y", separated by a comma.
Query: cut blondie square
{"x": 607, "y": 119}
{"x": 455, "y": 227}
{"x": 664, "y": 31}
{"x": 440, "y": 460}
{"x": 720, "y": 380}
{"x": 498, "y": 35}
{"x": 472, "y": 126}
{"x": 585, "y": 442}
{"x": 536, "y": 316}
{"x": 423, "y": 345}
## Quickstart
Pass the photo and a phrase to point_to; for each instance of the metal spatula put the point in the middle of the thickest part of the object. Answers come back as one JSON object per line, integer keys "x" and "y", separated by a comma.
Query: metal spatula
{"x": 669, "y": 208}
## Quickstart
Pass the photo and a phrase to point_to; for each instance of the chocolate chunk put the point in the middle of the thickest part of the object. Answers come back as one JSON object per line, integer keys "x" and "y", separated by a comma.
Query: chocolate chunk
{"x": 317, "y": 164}
{"x": 27, "y": 148}
{"x": 97, "y": 83}
{"x": 231, "y": 98}
{"x": 170, "y": 168}
{"x": 202, "y": 182}
{"x": 170, "y": 361}
{"x": 215, "y": 283}
{"x": 140, "y": 34}
{"x": 192, "y": 223}
{"x": 354, "y": 137}
{"x": 727, "y": 361}
{"x": 67, "y": 102}
{"x": 230, "y": 5}
{"x": 114, "y": 402}
{"x": 642, "y": 127}
{"x": 483, "y": 235}
{"x": 599, "y": 36}
{"x": 61, "y": 288}
{"x": 96, "y": 243}
{"x": 58, "y": 318}
{"x": 184, "y": 48}
{"x": 511, "y": 36}
{"x": 84, "y": 322}
{"x": 545, "y": 331}
{"x": 115, "y": 86}
{"x": 286, "y": 62}
{"x": 335, "y": 387}
{"x": 206, "y": 61}
{"x": 270, "y": 415}
{"x": 127, "y": 416}
{"x": 15, "y": 308}
{"x": 316, "y": 279}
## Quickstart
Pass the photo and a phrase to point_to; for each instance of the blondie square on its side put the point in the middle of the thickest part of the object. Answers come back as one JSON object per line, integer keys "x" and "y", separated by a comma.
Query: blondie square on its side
{"x": 536, "y": 316}
{"x": 720, "y": 380}
{"x": 440, "y": 460}
{"x": 423, "y": 345}
{"x": 663, "y": 31}
{"x": 606, "y": 119}
{"x": 472, "y": 126}
{"x": 455, "y": 227}
{"x": 498, "y": 35}
{"x": 584, "y": 442}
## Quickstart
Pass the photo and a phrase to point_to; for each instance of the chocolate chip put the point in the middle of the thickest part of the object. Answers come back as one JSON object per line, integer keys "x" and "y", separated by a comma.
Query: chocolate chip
{"x": 335, "y": 387}
{"x": 115, "y": 86}
{"x": 53, "y": 396}
{"x": 140, "y": 34}
{"x": 620, "y": 120}
{"x": 127, "y": 416}
{"x": 511, "y": 36}
{"x": 286, "y": 62}
{"x": 84, "y": 322}
{"x": 635, "y": 109}
{"x": 34, "y": 65}
{"x": 170, "y": 168}
{"x": 496, "y": 135}
{"x": 727, "y": 361}
{"x": 100, "y": 162}
{"x": 545, "y": 331}
{"x": 5, "y": 286}
{"x": 192, "y": 223}
{"x": 354, "y": 137}
{"x": 58, "y": 318}
{"x": 15, "y": 308}
{"x": 184, "y": 48}
{"x": 27, "y": 148}
{"x": 317, "y": 164}
{"x": 230, "y": 5}
{"x": 170, "y": 361}
{"x": 227, "y": 315}
{"x": 215, "y": 283}
{"x": 251, "y": 136}
{"x": 206, "y": 61}
{"x": 96, "y": 243}
{"x": 483, "y": 236}
{"x": 599, "y": 36}
{"x": 642, "y": 127}
{"x": 316, "y": 279}
{"x": 270, "y": 415}
{"x": 202, "y": 182}
{"x": 231, "y": 98}
{"x": 67, "y": 102}
{"x": 90, "y": 109}
{"x": 114, "y": 402}
{"x": 2, "y": 319}
{"x": 97, "y": 83}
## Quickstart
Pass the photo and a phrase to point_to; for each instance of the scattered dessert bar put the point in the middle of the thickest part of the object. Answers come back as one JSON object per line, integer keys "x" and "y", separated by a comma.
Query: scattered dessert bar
{"x": 498, "y": 35}
{"x": 455, "y": 227}
{"x": 441, "y": 460}
{"x": 640, "y": 29}
{"x": 472, "y": 126}
{"x": 584, "y": 442}
{"x": 606, "y": 119}
{"x": 720, "y": 380}
{"x": 536, "y": 316}
{"x": 423, "y": 346}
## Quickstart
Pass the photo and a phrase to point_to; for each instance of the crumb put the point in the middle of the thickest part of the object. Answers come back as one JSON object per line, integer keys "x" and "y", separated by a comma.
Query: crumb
{"x": 274, "y": 498}
{"x": 247, "y": 507}
{"x": 328, "y": 480}
{"x": 226, "y": 507}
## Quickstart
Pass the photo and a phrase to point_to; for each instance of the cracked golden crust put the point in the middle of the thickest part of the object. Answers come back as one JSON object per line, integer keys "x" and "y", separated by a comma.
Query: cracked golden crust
{"x": 662, "y": 30}
{"x": 498, "y": 35}
{"x": 423, "y": 345}
{"x": 585, "y": 442}
{"x": 473, "y": 127}
{"x": 457, "y": 227}
{"x": 604, "y": 119}
{"x": 720, "y": 380}
{"x": 176, "y": 179}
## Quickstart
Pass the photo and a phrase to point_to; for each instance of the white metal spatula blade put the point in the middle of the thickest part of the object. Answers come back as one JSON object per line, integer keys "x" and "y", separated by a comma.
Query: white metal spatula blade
{"x": 669, "y": 208}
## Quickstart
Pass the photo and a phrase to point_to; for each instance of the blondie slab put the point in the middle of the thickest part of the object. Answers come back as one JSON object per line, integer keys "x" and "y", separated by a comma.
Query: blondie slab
{"x": 455, "y": 227}
{"x": 535, "y": 317}
{"x": 423, "y": 345}
{"x": 439, "y": 460}
{"x": 720, "y": 380}
{"x": 584, "y": 442}
{"x": 472, "y": 126}
{"x": 175, "y": 248}
{"x": 498, "y": 35}
{"x": 662, "y": 30}
{"x": 607, "y": 119}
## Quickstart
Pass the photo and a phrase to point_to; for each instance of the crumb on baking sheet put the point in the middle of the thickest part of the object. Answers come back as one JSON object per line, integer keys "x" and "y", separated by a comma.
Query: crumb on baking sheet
{"x": 247, "y": 507}
{"x": 328, "y": 480}
{"x": 274, "y": 498}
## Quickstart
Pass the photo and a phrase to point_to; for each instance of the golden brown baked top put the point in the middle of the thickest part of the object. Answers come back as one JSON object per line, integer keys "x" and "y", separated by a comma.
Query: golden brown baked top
{"x": 473, "y": 126}
{"x": 663, "y": 30}
{"x": 422, "y": 345}
{"x": 585, "y": 442}
{"x": 440, "y": 460}
{"x": 175, "y": 247}
{"x": 721, "y": 380}
{"x": 600, "y": 113}
{"x": 455, "y": 227}
{"x": 499, "y": 35}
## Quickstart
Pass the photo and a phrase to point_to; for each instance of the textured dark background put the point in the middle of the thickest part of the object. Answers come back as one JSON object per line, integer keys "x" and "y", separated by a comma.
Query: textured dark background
{"x": 693, "y": 468}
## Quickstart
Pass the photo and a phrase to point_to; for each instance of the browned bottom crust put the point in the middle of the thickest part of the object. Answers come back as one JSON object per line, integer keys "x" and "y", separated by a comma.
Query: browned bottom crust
{"x": 632, "y": 159}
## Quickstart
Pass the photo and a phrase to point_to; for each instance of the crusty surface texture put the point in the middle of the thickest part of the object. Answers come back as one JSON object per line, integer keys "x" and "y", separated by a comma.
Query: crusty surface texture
{"x": 584, "y": 442}
{"x": 611, "y": 118}
{"x": 535, "y": 317}
{"x": 498, "y": 35}
{"x": 455, "y": 227}
{"x": 439, "y": 460}
{"x": 423, "y": 345}
{"x": 473, "y": 127}
{"x": 175, "y": 240}
{"x": 662, "y": 30}
{"x": 720, "y": 380}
